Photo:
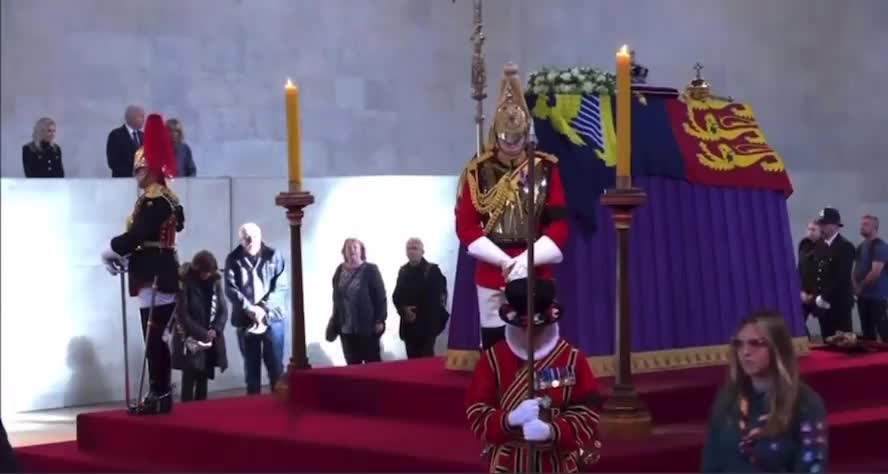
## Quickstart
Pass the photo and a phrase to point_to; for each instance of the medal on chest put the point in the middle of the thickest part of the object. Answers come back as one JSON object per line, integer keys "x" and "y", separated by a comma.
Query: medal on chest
{"x": 555, "y": 377}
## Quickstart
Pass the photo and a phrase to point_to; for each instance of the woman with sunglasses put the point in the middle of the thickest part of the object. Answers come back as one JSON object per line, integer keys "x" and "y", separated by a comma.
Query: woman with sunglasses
{"x": 766, "y": 419}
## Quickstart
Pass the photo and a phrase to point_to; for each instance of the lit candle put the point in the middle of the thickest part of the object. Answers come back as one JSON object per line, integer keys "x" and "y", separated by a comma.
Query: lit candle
{"x": 294, "y": 136}
{"x": 624, "y": 117}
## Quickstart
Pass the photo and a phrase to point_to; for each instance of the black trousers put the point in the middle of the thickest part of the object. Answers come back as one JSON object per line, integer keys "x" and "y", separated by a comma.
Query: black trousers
{"x": 837, "y": 318}
{"x": 194, "y": 385}
{"x": 808, "y": 309}
{"x": 490, "y": 336}
{"x": 873, "y": 318}
{"x": 157, "y": 351}
{"x": 420, "y": 346}
{"x": 359, "y": 349}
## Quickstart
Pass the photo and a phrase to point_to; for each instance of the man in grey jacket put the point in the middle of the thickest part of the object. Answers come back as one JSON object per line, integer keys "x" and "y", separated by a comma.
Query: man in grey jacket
{"x": 256, "y": 285}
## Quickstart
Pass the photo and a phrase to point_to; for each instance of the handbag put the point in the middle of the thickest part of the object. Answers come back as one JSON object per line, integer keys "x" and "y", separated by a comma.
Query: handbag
{"x": 333, "y": 328}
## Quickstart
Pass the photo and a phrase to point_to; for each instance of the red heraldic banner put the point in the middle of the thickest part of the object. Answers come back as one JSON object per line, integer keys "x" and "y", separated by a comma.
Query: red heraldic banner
{"x": 723, "y": 145}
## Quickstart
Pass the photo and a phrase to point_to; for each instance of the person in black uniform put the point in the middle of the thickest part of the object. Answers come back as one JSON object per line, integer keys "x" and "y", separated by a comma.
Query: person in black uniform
{"x": 808, "y": 271}
{"x": 147, "y": 250}
{"x": 835, "y": 260}
{"x": 42, "y": 157}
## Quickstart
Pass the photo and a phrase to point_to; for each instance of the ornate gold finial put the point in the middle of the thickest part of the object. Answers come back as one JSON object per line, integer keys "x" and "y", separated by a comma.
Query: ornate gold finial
{"x": 698, "y": 88}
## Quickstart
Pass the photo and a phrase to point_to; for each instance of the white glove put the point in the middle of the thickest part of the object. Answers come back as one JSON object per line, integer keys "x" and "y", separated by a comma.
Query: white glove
{"x": 545, "y": 252}
{"x": 114, "y": 263}
{"x": 484, "y": 249}
{"x": 526, "y": 411}
{"x": 519, "y": 268}
{"x": 821, "y": 303}
{"x": 537, "y": 430}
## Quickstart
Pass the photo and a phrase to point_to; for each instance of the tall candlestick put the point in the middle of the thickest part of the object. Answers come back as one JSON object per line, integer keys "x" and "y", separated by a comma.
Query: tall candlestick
{"x": 294, "y": 136}
{"x": 624, "y": 118}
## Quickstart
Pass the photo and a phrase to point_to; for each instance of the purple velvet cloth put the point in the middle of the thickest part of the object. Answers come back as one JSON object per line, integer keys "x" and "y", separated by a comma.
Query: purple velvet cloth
{"x": 702, "y": 259}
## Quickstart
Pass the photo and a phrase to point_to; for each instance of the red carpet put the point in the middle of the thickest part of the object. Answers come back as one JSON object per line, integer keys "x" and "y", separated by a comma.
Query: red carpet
{"x": 408, "y": 416}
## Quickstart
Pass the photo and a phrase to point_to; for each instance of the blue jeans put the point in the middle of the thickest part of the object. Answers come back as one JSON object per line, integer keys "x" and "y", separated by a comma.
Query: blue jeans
{"x": 256, "y": 349}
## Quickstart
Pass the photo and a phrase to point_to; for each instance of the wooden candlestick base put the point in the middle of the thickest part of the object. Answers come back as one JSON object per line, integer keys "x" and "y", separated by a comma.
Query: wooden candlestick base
{"x": 624, "y": 415}
{"x": 295, "y": 201}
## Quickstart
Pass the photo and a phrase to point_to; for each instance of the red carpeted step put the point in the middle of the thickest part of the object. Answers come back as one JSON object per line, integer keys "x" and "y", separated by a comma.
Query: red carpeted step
{"x": 262, "y": 435}
{"x": 65, "y": 457}
{"x": 246, "y": 433}
{"x": 419, "y": 390}
{"x": 424, "y": 390}
{"x": 408, "y": 417}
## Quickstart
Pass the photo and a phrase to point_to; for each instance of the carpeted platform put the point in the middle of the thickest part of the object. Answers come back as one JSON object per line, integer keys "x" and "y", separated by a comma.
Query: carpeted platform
{"x": 408, "y": 416}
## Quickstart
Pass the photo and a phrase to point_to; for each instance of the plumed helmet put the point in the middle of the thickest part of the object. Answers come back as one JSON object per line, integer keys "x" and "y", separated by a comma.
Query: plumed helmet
{"x": 156, "y": 152}
{"x": 512, "y": 118}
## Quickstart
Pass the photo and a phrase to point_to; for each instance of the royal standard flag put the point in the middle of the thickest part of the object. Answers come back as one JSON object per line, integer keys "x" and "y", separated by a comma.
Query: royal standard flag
{"x": 723, "y": 145}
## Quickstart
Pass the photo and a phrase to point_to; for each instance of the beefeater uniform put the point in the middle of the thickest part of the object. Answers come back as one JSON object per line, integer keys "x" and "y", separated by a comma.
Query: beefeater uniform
{"x": 561, "y": 419}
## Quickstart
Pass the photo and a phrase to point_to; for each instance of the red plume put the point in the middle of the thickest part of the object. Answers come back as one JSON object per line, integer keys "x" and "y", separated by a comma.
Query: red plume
{"x": 159, "y": 154}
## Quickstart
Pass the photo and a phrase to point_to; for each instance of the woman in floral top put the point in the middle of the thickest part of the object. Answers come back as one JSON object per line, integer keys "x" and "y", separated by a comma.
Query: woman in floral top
{"x": 765, "y": 419}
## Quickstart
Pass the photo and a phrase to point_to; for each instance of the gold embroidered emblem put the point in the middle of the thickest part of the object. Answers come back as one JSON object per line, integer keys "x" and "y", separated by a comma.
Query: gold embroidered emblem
{"x": 730, "y": 137}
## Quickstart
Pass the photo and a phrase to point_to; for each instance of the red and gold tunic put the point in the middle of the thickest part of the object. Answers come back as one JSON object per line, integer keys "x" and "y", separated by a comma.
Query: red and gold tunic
{"x": 491, "y": 202}
{"x": 500, "y": 384}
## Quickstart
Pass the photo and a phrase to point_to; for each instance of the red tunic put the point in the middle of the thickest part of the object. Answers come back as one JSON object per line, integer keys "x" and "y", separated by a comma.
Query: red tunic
{"x": 470, "y": 222}
{"x": 500, "y": 384}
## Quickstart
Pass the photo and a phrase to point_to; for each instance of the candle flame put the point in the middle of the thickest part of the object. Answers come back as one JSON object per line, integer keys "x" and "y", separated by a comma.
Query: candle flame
{"x": 624, "y": 50}
{"x": 290, "y": 84}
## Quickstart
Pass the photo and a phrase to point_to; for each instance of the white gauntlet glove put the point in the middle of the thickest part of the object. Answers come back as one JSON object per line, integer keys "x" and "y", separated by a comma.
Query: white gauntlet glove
{"x": 537, "y": 430}
{"x": 528, "y": 410}
{"x": 518, "y": 268}
{"x": 820, "y": 302}
{"x": 484, "y": 249}
{"x": 115, "y": 264}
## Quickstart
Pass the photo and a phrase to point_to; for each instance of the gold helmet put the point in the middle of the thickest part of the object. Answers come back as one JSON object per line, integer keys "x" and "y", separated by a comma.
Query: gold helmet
{"x": 512, "y": 120}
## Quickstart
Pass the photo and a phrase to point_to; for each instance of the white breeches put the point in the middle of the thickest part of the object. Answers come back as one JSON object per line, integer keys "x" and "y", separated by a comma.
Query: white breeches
{"x": 489, "y": 302}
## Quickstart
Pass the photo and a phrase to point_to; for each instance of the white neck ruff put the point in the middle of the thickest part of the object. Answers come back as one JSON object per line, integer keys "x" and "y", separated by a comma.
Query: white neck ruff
{"x": 516, "y": 338}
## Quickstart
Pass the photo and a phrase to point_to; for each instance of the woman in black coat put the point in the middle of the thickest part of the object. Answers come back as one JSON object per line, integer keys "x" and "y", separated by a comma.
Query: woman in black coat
{"x": 42, "y": 156}
{"x": 198, "y": 345}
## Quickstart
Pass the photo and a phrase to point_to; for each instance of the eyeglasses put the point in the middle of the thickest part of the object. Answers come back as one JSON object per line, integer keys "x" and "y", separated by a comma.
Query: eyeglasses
{"x": 758, "y": 343}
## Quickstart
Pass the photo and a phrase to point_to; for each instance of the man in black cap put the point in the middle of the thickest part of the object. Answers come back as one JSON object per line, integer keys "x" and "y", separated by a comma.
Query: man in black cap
{"x": 835, "y": 260}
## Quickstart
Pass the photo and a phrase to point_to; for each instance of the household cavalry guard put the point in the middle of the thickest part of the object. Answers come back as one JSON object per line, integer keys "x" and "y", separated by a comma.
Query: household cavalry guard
{"x": 491, "y": 209}
{"x": 147, "y": 251}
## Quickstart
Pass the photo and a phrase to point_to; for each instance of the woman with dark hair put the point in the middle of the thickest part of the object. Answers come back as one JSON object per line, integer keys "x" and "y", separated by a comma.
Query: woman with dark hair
{"x": 201, "y": 313}
{"x": 766, "y": 419}
{"x": 359, "y": 305}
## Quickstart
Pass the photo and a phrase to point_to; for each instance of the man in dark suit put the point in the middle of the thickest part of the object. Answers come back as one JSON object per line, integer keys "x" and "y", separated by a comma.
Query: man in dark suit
{"x": 124, "y": 141}
{"x": 835, "y": 290}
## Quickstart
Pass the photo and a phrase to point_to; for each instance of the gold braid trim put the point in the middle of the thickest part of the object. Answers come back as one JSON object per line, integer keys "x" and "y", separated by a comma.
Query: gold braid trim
{"x": 153, "y": 191}
{"x": 493, "y": 201}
